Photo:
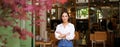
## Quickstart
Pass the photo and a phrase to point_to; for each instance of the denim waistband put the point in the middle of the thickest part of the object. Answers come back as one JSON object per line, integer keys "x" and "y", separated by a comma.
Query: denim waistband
{"x": 65, "y": 40}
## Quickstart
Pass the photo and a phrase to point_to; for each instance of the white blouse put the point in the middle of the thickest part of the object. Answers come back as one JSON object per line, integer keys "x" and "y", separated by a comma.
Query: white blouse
{"x": 64, "y": 30}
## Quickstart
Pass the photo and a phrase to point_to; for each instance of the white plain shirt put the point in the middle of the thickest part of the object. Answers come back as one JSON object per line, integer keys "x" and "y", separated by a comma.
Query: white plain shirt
{"x": 69, "y": 28}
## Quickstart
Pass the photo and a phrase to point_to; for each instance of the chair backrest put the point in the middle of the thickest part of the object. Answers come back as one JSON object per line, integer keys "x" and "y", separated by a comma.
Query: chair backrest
{"x": 100, "y": 35}
{"x": 77, "y": 35}
{"x": 52, "y": 37}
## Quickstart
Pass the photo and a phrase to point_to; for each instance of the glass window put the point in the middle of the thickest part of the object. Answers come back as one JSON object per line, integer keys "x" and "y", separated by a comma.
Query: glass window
{"x": 82, "y": 13}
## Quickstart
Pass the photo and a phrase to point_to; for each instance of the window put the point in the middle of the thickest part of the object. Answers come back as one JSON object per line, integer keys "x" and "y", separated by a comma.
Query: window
{"x": 82, "y": 13}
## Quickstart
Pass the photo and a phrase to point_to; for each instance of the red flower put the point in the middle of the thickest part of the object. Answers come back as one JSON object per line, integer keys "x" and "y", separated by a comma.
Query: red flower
{"x": 54, "y": 1}
{"x": 62, "y": 1}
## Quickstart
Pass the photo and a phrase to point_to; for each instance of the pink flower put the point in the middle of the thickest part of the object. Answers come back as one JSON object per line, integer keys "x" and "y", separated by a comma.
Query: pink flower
{"x": 29, "y": 8}
{"x": 42, "y": 0}
{"x": 19, "y": 8}
{"x": 49, "y": 4}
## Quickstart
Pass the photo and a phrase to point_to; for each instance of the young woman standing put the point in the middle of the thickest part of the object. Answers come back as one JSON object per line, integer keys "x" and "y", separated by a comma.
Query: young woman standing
{"x": 65, "y": 31}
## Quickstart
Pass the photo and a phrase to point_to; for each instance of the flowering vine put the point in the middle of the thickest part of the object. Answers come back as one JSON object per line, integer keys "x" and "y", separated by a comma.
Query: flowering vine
{"x": 12, "y": 10}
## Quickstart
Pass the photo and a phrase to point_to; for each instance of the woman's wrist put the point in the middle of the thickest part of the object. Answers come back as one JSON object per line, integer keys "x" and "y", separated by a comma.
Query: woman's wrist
{"x": 62, "y": 36}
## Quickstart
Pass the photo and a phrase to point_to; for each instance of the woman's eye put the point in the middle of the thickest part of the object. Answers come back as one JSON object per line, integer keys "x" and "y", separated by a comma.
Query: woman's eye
{"x": 65, "y": 16}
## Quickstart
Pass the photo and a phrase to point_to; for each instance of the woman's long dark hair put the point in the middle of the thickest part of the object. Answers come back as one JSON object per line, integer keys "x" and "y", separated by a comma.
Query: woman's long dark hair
{"x": 62, "y": 14}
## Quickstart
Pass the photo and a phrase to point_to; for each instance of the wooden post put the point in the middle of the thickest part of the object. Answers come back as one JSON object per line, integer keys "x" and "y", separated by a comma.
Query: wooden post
{"x": 43, "y": 24}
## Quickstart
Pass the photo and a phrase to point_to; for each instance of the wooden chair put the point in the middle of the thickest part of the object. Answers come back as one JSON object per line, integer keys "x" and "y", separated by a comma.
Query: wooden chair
{"x": 76, "y": 38}
{"x": 53, "y": 39}
{"x": 98, "y": 37}
{"x": 44, "y": 44}
{"x": 50, "y": 43}
{"x": 92, "y": 39}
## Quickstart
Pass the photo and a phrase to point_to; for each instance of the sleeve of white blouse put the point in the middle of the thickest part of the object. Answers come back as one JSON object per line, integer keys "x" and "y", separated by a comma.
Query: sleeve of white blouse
{"x": 57, "y": 34}
{"x": 72, "y": 34}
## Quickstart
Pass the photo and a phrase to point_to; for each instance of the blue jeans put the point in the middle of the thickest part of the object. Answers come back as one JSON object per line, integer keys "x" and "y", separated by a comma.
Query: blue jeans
{"x": 65, "y": 43}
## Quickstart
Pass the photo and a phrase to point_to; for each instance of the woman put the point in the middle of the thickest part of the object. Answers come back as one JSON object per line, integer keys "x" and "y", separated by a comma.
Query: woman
{"x": 65, "y": 31}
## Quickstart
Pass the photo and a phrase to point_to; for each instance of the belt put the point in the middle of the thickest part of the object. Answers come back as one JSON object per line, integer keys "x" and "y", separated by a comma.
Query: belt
{"x": 65, "y": 40}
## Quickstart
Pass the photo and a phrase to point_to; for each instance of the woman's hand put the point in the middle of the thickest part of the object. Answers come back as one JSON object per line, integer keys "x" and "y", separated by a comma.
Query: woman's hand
{"x": 68, "y": 33}
{"x": 63, "y": 35}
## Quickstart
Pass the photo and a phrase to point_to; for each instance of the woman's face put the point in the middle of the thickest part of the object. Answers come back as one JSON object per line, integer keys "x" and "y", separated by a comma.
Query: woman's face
{"x": 65, "y": 17}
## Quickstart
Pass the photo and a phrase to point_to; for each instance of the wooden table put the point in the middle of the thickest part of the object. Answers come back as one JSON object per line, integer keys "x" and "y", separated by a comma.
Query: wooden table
{"x": 44, "y": 44}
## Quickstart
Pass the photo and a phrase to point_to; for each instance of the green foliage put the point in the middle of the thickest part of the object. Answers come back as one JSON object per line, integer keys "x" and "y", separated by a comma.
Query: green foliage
{"x": 84, "y": 12}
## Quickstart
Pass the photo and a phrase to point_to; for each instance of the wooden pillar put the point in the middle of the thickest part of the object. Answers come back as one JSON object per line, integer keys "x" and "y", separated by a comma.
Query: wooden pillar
{"x": 43, "y": 24}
